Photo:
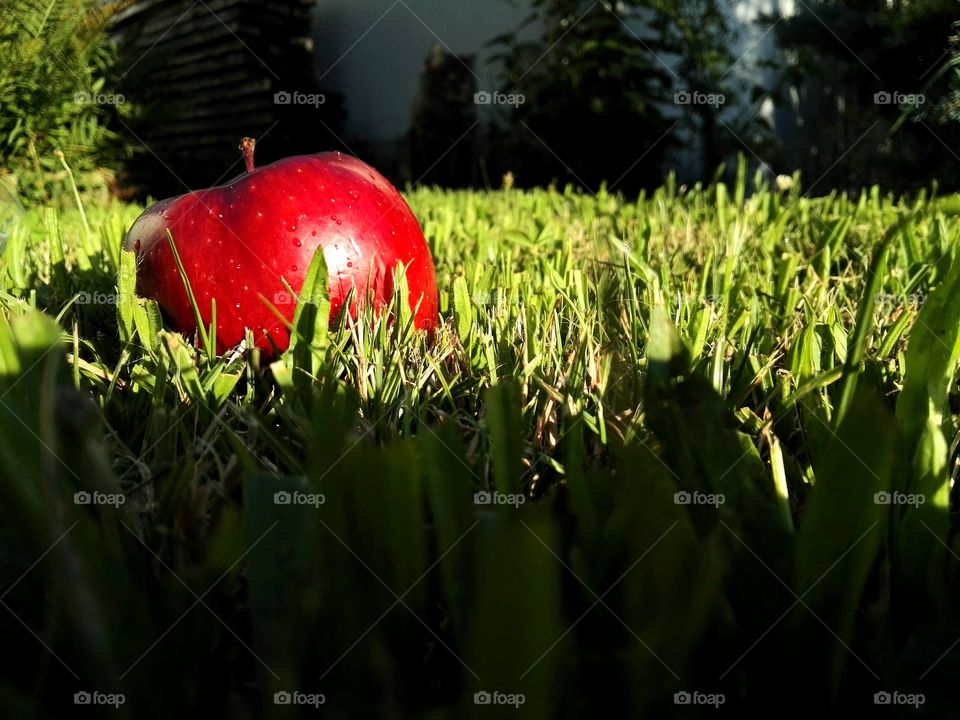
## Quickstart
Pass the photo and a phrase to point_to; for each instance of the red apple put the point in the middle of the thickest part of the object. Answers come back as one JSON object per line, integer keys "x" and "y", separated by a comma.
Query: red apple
{"x": 241, "y": 240}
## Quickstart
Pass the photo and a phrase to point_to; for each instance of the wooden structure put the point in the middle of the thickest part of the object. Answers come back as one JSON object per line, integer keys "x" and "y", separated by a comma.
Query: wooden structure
{"x": 203, "y": 75}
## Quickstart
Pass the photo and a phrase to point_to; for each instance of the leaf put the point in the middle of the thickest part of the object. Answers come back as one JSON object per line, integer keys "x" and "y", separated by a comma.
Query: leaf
{"x": 925, "y": 560}
{"x": 922, "y": 525}
{"x": 504, "y": 423}
{"x": 387, "y": 506}
{"x": 780, "y": 478}
{"x": 280, "y": 540}
{"x": 582, "y": 501}
{"x": 845, "y": 519}
{"x": 450, "y": 493}
{"x": 310, "y": 337}
{"x": 148, "y": 322}
{"x": 221, "y": 387}
{"x": 25, "y": 340}
{"x": 515, "y": 569}
{"x": 51, "y": 447}
{"x": 197, "y": 316}
{"x": 689, "y": 570}
{"x": 856, "y": 349}
{"x": 401, "y": 299}
{"x": 667, "y": 356}
{"x": 932, "y": 355}
{"x": 462, "y": 308}
{"x": 691, "y": 420}
{"x": 127, "y": 298}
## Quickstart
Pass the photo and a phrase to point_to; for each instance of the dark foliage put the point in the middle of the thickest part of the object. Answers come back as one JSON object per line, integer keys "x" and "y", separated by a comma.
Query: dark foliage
{"x": 441, "y": 141}
{"x": 590, "y": 88}
{"x": 55, "y": 95}
{"x": 852, "y": 67}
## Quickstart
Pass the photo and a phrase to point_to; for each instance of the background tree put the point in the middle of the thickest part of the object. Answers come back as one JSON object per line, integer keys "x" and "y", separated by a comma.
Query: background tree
{"x": 440, "y": 143}
{"x": 591, "y": 90}
{"x": 600, "y": 81}
{"x": 943, "y": 91}
{"x": 848, "y": 68}
{"x": 701, "y": 43}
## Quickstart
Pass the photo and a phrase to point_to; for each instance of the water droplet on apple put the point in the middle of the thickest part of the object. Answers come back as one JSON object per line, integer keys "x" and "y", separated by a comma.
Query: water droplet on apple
{"x": 296, "y": 242}
{"x": 259, "y": 214}
{"x": 237, "y": 306}
{"x": 293, "y": 267}
{"x": 313, "y": 233}
{"x": 292, "y": 227}
{"x": 237, "y": 266}
{"x": 349, "y": 264}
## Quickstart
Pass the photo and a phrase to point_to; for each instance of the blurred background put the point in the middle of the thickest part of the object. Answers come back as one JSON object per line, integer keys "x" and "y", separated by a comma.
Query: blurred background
{"x": 457, "y": 93}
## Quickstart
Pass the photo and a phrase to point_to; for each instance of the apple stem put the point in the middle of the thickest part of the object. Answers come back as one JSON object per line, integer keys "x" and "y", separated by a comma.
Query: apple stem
{"x": 247, "y": 146}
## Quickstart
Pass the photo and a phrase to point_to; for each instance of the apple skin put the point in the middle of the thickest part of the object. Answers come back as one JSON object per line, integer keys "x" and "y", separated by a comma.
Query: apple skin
{"x": 240, "y": 240}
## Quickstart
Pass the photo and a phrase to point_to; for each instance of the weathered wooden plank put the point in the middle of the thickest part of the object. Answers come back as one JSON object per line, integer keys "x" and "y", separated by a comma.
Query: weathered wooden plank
{"x": 207, "y": 74}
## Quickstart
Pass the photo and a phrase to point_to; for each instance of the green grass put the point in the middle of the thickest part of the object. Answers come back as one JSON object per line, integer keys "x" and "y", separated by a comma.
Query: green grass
{"x": 785, "y": 358}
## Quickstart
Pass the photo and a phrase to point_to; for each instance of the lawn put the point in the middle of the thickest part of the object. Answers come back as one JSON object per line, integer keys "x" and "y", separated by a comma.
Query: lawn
{"x": 667, "y": 454}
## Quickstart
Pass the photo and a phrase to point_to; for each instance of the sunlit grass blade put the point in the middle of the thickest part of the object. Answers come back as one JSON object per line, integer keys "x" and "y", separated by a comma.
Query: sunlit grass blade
{"x": 845, "y": 521}
{"x": 856, "y": 350}
{"x": 197, "y": 316}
